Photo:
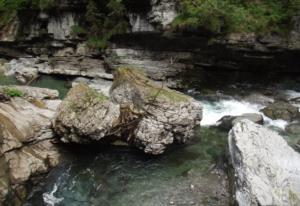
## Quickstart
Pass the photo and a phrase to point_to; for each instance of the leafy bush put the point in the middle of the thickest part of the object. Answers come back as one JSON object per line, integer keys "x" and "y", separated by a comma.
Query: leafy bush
{"x": 12, "y": 92}
{"x": 223, "y": 16}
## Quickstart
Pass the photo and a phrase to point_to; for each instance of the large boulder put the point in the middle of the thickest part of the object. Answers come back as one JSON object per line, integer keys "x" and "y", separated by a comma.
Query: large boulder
{"x": 161, "y": 116}
{"x": 25, "y": 145}
{"x": 85, "y": 115}
{"x": 281, "y": 110}
{"x": 138, "y": 111}
{"x": 267, "y": 169}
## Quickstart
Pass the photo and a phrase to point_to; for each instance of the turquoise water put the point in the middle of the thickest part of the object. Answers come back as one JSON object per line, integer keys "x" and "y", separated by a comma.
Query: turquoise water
{"x": 45, "y": 81}
{"x": 125, "y": 177}
{"x": 191, "y": 174}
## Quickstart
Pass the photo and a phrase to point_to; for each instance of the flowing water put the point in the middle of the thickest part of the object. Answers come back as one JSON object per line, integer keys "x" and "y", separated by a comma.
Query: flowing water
{"x": 191, "y": 174}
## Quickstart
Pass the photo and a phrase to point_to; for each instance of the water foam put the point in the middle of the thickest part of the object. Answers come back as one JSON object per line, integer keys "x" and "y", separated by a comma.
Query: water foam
{"x": 213, "y": 111}
{"x": 292, "y": 94}
{"x": 50, "y": 199}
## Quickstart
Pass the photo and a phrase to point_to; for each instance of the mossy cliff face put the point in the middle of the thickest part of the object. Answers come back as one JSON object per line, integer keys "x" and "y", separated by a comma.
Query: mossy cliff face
{"x": 138, "y": 111}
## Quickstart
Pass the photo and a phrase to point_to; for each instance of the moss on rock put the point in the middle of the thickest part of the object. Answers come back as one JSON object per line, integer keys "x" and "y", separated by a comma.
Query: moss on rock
{"x": 149, "y": 90}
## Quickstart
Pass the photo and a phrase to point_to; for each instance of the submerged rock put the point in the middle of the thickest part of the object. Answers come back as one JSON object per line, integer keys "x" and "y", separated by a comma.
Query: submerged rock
{"x": 227, "y": 122}
{"x": 281, "y": 110}
{"x": 267, "y": 169}
{"x": 25, "y": 145}
{"x": 139, "y": 111}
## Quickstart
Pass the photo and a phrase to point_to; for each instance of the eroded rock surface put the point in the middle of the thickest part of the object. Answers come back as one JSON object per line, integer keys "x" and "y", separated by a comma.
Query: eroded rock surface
{"x": 138, "y": 111}
{"x": 25, "y": 144}
{"x": 267, "y": 169}
{"x": 85, "y": 115}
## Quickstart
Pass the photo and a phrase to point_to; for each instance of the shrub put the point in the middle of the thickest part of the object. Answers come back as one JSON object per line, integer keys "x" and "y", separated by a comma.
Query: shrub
{"x": 224, "y": 16}
{"x": 12, "y": 92}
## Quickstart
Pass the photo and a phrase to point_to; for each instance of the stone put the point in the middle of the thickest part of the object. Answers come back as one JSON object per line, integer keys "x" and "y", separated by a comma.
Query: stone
{"x": 157, "y": 65}
{"x": 281, "y": 110}
{"x": 25, "y": 146}
{"x": 163, "y": 116}
{"x": 227, "y": 122}
{"x": 101, "y": 85}
{"x": 85, "y": 115}
{"x": 266, "y": 168}
{"x": 24, "y": 69}
{"x": 29, "y": 92}
{"x": 140, "y": 112}
{"x": 163, "y": 12}
{"x": 293, "y": 128}
{"x": 61, "y": 28}
{"x": 260, "y": 99}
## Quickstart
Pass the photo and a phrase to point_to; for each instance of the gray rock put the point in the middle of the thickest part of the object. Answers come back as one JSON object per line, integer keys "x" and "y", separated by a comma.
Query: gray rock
{"x": 266, "y": 167}
{"x": 293, "y": 128}
{"x": 163, "y": 12}
{"x": 65, "y": 62}
{"x": 35, "y": 92}
{"x": 227, "y": 122}
{"x": 281, "y": 110}
{"x": 158, "y": 65}
{"x": 163, "y": 116}
{"x": 24, "y": 69}
{"x": 101, "y": 85}
{"x": 25, "y": 146}
{"x": 139, "y": 112}
{"x": 85, "y": 115}
{"x": 257, "y": 98}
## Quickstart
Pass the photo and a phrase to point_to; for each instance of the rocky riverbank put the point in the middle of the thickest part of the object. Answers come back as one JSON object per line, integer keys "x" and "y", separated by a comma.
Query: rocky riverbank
{"x": 26, "y": 149}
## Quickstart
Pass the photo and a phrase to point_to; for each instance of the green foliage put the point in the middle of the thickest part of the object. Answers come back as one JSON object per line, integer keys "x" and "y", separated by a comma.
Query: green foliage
{"x": 12, "y": 92}
{"x": 10, "y": 8}
{"x": 223, "y": 16}
{"x": 14, "y": 5}
{"x": 105, "y": 19}
{"x": 78, "y": 30}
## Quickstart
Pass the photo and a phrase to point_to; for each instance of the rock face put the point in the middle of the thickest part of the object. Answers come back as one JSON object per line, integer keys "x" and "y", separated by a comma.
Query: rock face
{"x": 227, "y": 122}
{"x": 25, "y": 145}
{"x": 163, "y": 116}
{"x": 85, "y": 115}
{"x": 267, "y": 169}
{"x": 139, "y": 112}
{"x": 281, "y": 110}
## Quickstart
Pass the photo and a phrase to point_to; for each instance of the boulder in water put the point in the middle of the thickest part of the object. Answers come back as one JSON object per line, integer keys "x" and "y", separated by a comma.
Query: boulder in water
{"x": 267, "y": 169}
{"x": 138, "y": 111}
{"x": 281, "y": 110}
{"x": 161, "y": 116}
{"x": 85, "y": 115}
